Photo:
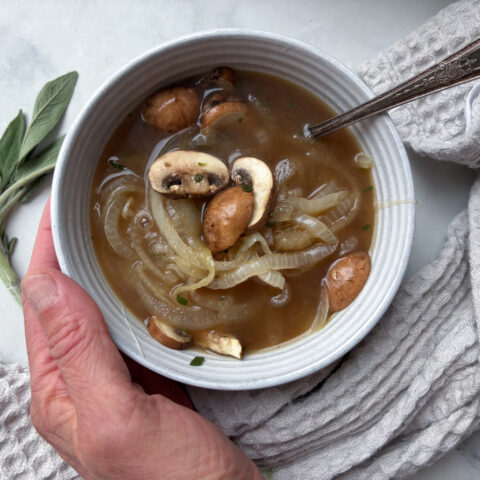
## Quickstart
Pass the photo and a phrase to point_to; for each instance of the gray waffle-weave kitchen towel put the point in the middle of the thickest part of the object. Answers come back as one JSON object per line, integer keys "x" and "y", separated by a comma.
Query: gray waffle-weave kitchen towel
{"x": 411, "y": 390}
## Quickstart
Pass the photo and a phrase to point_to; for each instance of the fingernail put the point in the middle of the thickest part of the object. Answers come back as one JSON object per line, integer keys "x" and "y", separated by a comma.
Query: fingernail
{"x": 40, "y": 290}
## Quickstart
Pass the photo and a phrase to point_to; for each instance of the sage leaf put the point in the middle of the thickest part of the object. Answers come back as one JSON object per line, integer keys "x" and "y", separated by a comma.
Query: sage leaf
{"x": 49, "y": 107}
{"x": 43, "y": 163}
{"x": 10, "y": 144}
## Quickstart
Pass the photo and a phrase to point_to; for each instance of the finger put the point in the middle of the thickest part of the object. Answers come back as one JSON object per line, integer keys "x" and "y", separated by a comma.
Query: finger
{"x": 43, "y": 255}
{"x": 46, "y": 380}
{"x": 78, "y": 341}
{"x": 50, "y": 402}
{"x": 41, "y": 362}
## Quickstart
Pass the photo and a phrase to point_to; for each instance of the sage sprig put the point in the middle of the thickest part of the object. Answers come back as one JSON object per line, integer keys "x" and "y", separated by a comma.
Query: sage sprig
{"x": 21, "y": 167}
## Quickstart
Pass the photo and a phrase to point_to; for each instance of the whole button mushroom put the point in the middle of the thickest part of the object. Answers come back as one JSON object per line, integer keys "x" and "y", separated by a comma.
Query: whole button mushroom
{"x": 188, "y": 174}
{"x": 173, "y": 109}
{"x": 256, "y": 174}
{"x": 345, "y": 279}
{"x": 226, "y": 218}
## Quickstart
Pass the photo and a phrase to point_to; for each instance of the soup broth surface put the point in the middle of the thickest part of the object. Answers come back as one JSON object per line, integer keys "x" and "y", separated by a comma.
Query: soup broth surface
{"x": 273, "y": 131}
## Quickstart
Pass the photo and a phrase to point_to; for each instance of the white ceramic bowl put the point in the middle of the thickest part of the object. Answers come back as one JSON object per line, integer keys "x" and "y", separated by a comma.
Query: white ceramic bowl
{"x": 263, "y": 52}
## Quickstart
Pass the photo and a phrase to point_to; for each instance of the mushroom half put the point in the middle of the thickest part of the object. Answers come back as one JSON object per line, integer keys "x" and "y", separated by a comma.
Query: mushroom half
{"x": 166, "y": 334}
{"x": 253, "y": 172}
{"x": 182, "y": 174}
{"x": 217, "y": 112}
{"x": 221, "y": 343}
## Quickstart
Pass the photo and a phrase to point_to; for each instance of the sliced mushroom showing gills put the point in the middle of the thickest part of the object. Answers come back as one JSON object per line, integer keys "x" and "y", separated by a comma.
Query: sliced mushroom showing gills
{"x": 188, "y": 174}
{"x": 252, "y": 173}
{"x": 167, "y": 335}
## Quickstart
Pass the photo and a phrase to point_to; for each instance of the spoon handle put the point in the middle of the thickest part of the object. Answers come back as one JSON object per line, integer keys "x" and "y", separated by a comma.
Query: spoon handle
{"x": 460, "y": 67}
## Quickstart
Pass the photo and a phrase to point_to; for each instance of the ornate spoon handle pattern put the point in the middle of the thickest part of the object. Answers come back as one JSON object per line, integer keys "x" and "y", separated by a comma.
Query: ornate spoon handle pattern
{"x": 460, "y": 67}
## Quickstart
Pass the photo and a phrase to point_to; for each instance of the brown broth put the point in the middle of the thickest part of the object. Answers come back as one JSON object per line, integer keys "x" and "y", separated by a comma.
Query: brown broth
{"x": 282, "y": 110}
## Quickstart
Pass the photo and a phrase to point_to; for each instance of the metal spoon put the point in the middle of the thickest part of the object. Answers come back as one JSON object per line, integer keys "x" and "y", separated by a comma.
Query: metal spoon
{"x": 461, "y": 67}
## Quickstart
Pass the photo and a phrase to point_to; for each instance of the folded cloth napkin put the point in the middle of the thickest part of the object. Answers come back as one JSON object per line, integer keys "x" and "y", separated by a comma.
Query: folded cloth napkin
{"x": 411, "y": 390}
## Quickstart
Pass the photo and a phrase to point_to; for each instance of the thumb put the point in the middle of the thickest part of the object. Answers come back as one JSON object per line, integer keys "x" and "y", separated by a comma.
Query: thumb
{"x": 77, "y": 338}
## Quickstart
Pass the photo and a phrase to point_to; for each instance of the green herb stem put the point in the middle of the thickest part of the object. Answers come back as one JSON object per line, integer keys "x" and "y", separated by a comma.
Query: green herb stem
{"x": 9, "y": 278}
{"x": 9, "y": 204}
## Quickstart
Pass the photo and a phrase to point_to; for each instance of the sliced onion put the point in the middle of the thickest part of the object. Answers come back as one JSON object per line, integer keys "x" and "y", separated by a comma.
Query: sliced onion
{"x": 276, "y": 261}
{"x": 127, "y": 183}
{"x": 285, "y": 169}
{"x": 116, "y": 242}
{"x": 363, "y": 160}
{"x": 187, "y": 268}
{"x": 137, "y": 242}
{"x": 217, "y": 302}
{"x": 199, "y": 257}
{"x": 158, "y": 247}
{"x": 342, "y": 215}
{"x": 241, "y": 252}
{"x": 324, "y": 189}
{"x": 318, "y": 205}
{"x": 317, "y": 228}
{"x": 282, "y": 211}
{"x": 273, "y": 278}
{"x": 250, "y": 240}
{"x": 186, "y": 220}
{"x": 347, "y": 246}
{"x": 292, "y": 238}
{"x": 225, "y": 265}
{"x": 179, "y": 317}
{"x": 321, "y": 315}
{"x": 282, "y": 299}
{"x": 127, "y": 210}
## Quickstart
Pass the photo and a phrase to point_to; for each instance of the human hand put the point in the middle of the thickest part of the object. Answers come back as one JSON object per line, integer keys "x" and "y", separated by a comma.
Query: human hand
{"x": 84, "y": 401}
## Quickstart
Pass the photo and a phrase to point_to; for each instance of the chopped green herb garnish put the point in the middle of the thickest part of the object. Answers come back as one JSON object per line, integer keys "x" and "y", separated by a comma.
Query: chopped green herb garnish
{"x": 368, "y": 189}
{"x": 181, "y": 300}
{"x": 271, "y": 224}
{"x": 363, "y": 169}
{"x": 201, "y": 164}
{"x": 366, "y": 226}
{"x": 247, "y": 188}
{"x": 198, "y": 177}
{"x": 268, "y": 475}
{"x": 197, "y": 361}
{"x": 117, "y": 165}
{"x": 240, "y": 120}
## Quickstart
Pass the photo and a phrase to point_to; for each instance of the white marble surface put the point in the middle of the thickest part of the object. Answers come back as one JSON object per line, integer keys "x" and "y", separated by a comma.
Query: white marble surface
{"x": 41, "y": 40}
